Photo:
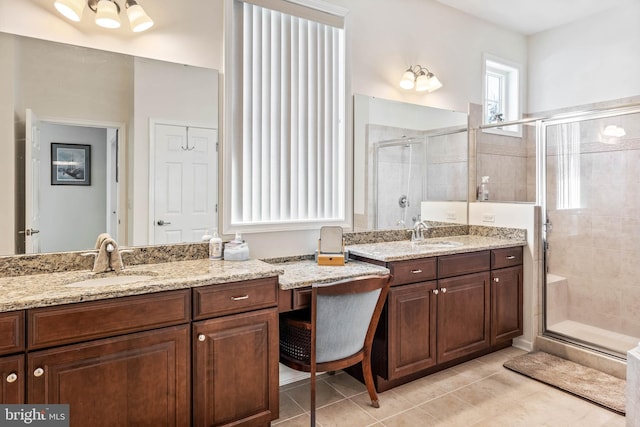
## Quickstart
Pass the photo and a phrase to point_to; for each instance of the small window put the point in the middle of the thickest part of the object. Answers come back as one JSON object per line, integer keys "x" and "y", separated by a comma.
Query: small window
{"x": 501, "y": 95}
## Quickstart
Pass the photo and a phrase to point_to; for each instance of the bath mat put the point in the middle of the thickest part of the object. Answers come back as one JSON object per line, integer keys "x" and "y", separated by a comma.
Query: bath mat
{"x": 598, "y": 387}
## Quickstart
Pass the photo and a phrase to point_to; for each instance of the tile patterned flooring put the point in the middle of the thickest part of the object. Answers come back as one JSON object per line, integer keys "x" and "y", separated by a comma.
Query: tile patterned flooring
{"x": 480, "y": 392}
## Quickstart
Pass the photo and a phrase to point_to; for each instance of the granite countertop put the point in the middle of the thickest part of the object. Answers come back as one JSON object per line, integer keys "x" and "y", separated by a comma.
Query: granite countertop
{"x": 300, "y": 274}
{"x": 41, "y": 290}
{"x": 405, "y": 249}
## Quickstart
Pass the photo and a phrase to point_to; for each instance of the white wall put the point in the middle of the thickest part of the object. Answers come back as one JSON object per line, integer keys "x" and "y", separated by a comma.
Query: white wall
{"x": 72, "y": 216}
{"x": 599, "y": 53}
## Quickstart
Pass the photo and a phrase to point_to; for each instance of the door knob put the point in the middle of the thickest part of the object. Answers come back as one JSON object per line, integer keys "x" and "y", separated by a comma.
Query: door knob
{"x": 162, "y": 222}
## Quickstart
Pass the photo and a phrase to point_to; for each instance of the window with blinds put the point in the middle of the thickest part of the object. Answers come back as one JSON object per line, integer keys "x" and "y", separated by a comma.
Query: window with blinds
{"x": 286, "y": 155}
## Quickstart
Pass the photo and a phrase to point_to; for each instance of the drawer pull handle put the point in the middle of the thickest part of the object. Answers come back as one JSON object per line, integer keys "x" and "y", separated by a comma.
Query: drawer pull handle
{"x": 511, "y": 257}
{"x": 38, "y": 372}
{"x": 12, "y": 377}
{"x": 240, "y": 298}
{"x": 201, "y": 337}
{"x": 417, "y": 271}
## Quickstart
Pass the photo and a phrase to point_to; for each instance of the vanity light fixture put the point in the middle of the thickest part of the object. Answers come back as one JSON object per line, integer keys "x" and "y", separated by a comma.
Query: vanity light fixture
{"x": 107, "y": 13}
{"x": 421, "y": 78}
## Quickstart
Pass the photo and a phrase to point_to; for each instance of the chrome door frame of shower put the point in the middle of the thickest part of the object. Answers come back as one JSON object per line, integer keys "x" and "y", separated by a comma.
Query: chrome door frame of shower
{"x": 541, "y": 199}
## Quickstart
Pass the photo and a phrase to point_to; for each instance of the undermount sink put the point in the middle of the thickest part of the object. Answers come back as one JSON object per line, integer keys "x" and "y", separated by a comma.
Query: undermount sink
{"x": 439, "y": 244}
{"x": 111, "y": 280}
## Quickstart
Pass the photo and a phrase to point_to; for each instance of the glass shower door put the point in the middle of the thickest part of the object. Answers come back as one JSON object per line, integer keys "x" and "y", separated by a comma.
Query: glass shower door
{"x": 591, "y": 208}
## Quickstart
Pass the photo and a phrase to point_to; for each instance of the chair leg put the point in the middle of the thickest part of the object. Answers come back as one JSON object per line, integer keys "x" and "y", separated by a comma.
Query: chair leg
{"x": 313, "y": 398}
{"x": 368, "y": 380}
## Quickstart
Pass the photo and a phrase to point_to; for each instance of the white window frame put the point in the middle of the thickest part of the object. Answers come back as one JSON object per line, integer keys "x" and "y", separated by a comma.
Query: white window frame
{"x": 232, "y": 34}
{"x": 511, "y": 72}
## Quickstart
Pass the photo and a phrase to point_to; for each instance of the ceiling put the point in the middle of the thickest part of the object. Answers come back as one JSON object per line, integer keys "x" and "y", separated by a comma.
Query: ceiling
{"x": 532, "y": 16}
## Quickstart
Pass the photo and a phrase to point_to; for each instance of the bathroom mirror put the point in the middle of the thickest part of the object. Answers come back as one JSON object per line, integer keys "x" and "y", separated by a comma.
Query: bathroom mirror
{"x": 410, "y": 162}
{"x": 127, "y": 109}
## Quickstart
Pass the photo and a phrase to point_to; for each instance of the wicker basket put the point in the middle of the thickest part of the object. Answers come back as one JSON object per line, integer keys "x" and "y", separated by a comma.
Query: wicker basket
{"x": 295, "y": 339}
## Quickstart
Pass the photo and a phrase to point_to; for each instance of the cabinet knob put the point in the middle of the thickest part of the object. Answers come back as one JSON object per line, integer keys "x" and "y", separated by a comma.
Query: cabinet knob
{"x": 12, "y": 377}
{"x": 201, "y": 337}
{"x": 496, "y": 279}
{"x": 38, "y": 372}
{"x": 443, "y": 290}
{"x": 435, "y": 291}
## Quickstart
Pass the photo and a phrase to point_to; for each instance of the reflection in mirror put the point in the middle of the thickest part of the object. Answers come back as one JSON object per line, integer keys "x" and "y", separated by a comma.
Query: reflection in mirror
{"x": 410, "y": 164}
{"x": 116, "y": 104}
{"x": 507, "y": 161}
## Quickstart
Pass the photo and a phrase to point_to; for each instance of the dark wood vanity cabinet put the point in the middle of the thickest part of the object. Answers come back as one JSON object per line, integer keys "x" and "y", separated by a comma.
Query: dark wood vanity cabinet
{"x": 123, "y": 361}
{"x": 506, "y": 295}
{"x": 463, "y": 316}
{"x": 445, "y": 310}
{"x": 137, "y": 379}
{"x": 235, "y": 354}
{"x": 12, "y": 357}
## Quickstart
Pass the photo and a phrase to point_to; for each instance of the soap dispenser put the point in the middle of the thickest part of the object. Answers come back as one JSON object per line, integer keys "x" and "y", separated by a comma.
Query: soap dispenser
{"x": 483, "y": 191}
{"x": 215, "y": 246}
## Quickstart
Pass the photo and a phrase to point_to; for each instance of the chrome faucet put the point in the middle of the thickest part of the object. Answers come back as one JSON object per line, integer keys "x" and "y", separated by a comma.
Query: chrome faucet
{"x": 417, "y": 234}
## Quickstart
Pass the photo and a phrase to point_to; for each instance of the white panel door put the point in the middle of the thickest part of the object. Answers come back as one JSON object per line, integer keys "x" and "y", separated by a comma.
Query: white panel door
{"x": 185, "y": 183}
{"x": 32, "y": 183}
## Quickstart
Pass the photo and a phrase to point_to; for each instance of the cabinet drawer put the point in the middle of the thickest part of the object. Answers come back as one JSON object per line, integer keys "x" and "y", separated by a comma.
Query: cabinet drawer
{"x": 413, "y": 271}
{"x": 236, "y": 297}
{"x": 506, "y": 257}
{"x": 11, "y": 332}
{"x": 458, "y": 264}
{"x": 85, "y": 321}
{"x": 301, "y": 298}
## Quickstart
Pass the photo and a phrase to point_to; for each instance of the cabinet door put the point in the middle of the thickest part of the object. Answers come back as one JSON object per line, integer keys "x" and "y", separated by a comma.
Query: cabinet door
{"x": 506, "y": 304}
{"x": 12, "y": 376}
{"x": 235, "y": 371}
{"x": 135, "y": 380}
{"x": 463, "y": 315}
{"x": 412, "y": 328}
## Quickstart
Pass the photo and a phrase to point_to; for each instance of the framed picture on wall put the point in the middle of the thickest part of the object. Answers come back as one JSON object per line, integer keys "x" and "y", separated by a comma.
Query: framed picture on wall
{"x": 70, "y": 164}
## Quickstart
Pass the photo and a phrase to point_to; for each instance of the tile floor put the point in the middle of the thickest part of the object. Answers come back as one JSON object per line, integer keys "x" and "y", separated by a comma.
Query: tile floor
{"x": 480, "y": 392}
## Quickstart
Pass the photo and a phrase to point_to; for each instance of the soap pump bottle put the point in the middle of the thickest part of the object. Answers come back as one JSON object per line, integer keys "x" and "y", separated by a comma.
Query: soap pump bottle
{"x": 215, "y": 246}
{"x": 483, "y": 192}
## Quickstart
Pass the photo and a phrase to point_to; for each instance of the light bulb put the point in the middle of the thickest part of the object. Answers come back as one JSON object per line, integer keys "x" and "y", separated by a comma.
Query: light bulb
{"x": 408, "y": 80}
{"x": 107, "y": 14}
{"x": 138, "y": 18}
{"x": 71, "y": 9}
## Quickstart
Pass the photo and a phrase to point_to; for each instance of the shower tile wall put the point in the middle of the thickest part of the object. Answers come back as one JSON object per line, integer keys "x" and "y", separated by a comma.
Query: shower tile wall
{"x": 447, "y": 167}
{"x": 390, "y": 191}
{"x": 506, "y": 161}
{"x": 595, "y": 245}
{"x": 440, "y": 174}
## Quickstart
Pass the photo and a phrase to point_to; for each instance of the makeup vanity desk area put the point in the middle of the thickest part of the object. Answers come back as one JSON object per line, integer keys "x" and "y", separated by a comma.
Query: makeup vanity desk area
{"x": 452, "y": 299}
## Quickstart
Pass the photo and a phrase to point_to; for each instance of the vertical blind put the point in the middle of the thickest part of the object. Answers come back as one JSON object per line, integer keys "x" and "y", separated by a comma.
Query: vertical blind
{"x": 288, "y": 151}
